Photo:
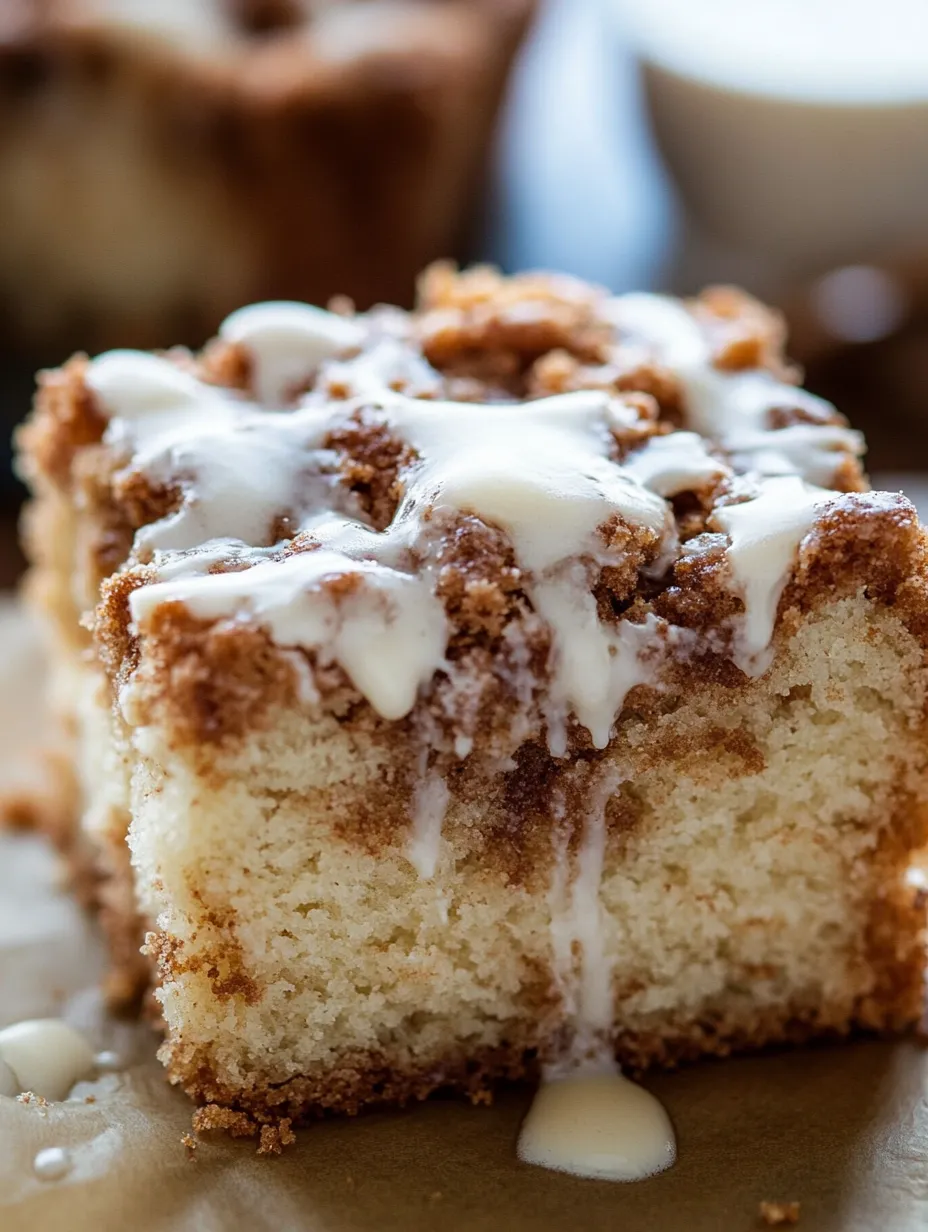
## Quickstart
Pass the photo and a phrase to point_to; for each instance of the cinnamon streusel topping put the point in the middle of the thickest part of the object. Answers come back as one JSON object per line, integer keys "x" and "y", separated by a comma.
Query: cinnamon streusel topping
{"x": 500, "y": 494}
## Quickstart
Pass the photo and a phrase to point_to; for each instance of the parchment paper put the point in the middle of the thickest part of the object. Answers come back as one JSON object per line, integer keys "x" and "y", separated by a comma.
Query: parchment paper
{"x": 843, "y": 1130}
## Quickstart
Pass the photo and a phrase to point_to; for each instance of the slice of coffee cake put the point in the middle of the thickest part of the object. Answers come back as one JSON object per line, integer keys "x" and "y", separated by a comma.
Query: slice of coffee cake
{"x": 527, "y": 676}
{"x": 163, "y": 161}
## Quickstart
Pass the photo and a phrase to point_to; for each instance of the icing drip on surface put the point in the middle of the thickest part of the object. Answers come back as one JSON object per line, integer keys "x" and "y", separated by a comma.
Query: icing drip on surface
{"x": 52, "y": 1163}
{"x": 586, "y": 1118}
{"x": 44, "y": 1056}
{"x": 597, "y": 1124}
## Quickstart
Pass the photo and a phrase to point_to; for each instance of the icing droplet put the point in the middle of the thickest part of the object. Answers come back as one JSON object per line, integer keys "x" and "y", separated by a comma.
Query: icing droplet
{"x": 597, "y": 1124}
{"x": 52, "y": 1163}
{"x": 46, "y": 1056}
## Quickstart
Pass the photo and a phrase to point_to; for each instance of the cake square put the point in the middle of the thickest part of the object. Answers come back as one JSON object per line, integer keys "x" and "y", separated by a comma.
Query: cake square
{"x": 523, "y": 680}
{"x": 164, "y": 161}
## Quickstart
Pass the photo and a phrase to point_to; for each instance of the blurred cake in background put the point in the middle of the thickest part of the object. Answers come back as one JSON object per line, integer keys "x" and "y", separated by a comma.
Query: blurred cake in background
{"x": 162, "y": 161}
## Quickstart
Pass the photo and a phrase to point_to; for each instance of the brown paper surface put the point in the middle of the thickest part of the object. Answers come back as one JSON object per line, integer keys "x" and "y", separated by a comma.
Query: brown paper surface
{"x": 843, "y": 1130}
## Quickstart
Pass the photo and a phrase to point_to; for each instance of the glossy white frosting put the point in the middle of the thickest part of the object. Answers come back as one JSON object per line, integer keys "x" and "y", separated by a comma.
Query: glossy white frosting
{"x": 545, "y": 471}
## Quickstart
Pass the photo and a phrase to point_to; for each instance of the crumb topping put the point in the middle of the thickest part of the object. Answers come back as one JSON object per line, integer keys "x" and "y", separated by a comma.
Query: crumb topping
{"x": 514, "y": 505}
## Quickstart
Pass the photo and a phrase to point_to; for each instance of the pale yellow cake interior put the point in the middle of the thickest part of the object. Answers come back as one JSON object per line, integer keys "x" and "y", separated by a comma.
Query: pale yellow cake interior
{"x": 740, "y": 897}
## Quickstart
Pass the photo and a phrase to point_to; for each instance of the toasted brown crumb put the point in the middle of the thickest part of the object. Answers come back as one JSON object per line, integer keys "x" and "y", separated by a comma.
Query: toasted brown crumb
{"x": 744, "y": 332}
{"x": 275, "y": 1137}
{"x": 189, "y": 1144}
{"x": 31, "y": 1099}
{"x": 776, "y": 1214}
{"x": 272, "y": 1138}
{"x": 212, "y": 1117}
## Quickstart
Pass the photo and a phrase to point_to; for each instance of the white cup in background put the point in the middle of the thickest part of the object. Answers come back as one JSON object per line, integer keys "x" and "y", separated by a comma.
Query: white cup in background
{"x": 796, "y": 130}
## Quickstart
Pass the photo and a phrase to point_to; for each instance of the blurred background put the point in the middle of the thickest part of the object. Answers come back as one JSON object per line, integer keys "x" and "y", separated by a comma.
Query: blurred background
{"x": 162, "y": 161}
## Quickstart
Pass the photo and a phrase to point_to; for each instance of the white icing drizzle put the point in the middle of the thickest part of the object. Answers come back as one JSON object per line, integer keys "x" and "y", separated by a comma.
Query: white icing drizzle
{"x": 586, "y": 1118}
{"x": 234, "y": 462}
{"x": 388, "y": 362}
{"x": 544, "y": 471}
{"x": 287, "y": 342}
{"x": 765, "y": 535}
{"x": 551, "y": 505}
{"x": 134, "y": 385}
{"x": 236, "y": 465}
{"x": 577, "y": 923}
{"x": 597, "y": 665}
{"x": 538, "y": 469}
{"x": 678, "y": 462}
{"x": 733, "y": 408}
{"x": 389, "y": 634}
{"x": 430, "y": 803}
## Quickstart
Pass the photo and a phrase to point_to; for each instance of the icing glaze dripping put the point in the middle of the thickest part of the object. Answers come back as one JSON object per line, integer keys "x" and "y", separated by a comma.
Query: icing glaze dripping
{"x": 587, "y": 1118}
{"x": 365, "y": 598}
{"x": 597, "y": 1124}
{"x": 765, "y": 534}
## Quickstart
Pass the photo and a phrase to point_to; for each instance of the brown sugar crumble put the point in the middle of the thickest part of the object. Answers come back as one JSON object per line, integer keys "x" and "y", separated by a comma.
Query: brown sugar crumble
{"x": 273, "y": 1136}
